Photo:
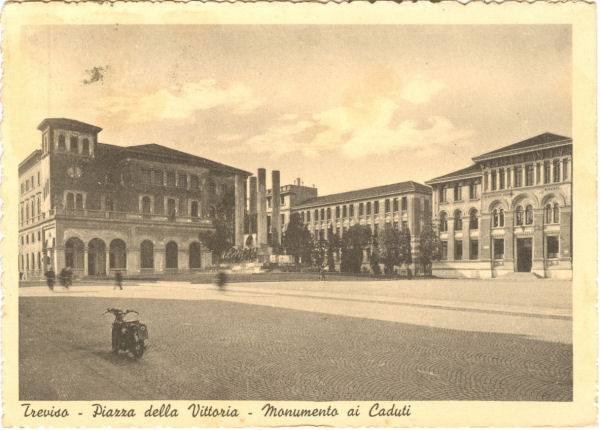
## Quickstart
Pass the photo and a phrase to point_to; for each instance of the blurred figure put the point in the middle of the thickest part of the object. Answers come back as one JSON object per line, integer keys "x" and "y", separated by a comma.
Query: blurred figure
{"x": 118, "y": 281}
{"x": 50, "y": 278}
{"x": 221, "y": 280}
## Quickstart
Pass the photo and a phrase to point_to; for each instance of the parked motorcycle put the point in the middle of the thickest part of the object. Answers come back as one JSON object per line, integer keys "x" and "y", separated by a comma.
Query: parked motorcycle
{"x": 128, "y": 335}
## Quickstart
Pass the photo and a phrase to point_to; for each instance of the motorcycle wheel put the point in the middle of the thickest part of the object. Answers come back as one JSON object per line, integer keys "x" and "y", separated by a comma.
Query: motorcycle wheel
{"x": 115, "y": 341}
{"x": 138, "y": 347}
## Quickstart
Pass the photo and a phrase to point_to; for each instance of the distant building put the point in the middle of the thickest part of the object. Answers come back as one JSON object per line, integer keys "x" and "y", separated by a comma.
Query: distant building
{"x": 405, "y": 205}
{"x": 290, "y": 197}
{"x": 508, "y": 212}
{"x": 101, "y": 208}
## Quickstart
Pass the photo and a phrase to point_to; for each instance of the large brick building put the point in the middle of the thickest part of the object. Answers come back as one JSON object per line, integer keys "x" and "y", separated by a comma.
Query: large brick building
{"x": 99, "y": 208}
{"x": 508, "y": 212}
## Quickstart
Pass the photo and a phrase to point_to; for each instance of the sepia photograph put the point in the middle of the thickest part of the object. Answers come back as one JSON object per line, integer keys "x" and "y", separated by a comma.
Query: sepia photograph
{"x": 220, "y": 212}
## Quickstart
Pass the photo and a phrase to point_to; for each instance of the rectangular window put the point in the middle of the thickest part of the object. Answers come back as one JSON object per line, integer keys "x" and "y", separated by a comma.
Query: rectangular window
{"x": 551, "y": 246}
{"x": 38, "y": 175}
{"x": 361, "y": 209}
{"x": 158, "y": 177}
{"x": 405, "y": 200}
{"x": 395, "y": 205}
{"x": 182, "y": 180}
{"x": 376, "y": 207}
{"x": 268, "y": 202}
{"x": 444, "y": 250}
{"x": 498, "y": 249}
{"x": 518, "y": 177}
{"x": 426, "y": 208}
{"x": 282, "y": 219}
{"x": 351, "y": 210}
{"x": 494, "y": 180}
{"x": 546, "y": 172}
{"x": 395, "y": 225}
{"x": 485, "y": 181}
{"x": 501, "y": 174}
{"x": 474, "y": 250}
{"x": 556, "y": 164}
{"x": 194, "y": 182}
{"x": 344, "y": 211}
{"x": 458, "y": 249}
{"x": 322, "y": 214}
{"x": 282, "y": 200}
{"x": 337, "y": 211}
{"x": 146, "y": 176}
{"x": 508, "y": 177}
{"x": 22, "y": 187}
{"x": 404, "y": 225}
{"x": 368, "y": 208}
{"x": 528, "y": 175}
{"x": 376, "y": 231}
{"x": 316, "y": 214}
{"x": 538, "y": 173}
{"x": 472, "y": 191}
{"x": 170, "y": 179}
{"x": 565, "y": 169}
{"x": 387, "y": 206}
{"x": 457, "y": 193}
{"x": 308, "y": 216}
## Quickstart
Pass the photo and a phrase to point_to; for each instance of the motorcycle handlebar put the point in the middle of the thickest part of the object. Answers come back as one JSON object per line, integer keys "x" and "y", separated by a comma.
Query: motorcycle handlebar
{"x": 127, "y": 311}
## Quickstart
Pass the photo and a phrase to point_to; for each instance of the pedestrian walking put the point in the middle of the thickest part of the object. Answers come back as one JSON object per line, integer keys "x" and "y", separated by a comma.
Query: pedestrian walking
{"x": 50, "y": 278}
{"x": 118, "y": 281}
{"x": 322, "y": 272}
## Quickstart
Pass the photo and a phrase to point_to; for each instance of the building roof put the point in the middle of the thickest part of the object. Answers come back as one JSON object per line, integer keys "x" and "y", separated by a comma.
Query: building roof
{"x": 160, "y": 153}
{"x": 467, "y": 172}
{"x": 31, "y": 159}
{"x": 367, "y": 193}
{"x": 70, "y": 124}
{"x": 525, "y": 145}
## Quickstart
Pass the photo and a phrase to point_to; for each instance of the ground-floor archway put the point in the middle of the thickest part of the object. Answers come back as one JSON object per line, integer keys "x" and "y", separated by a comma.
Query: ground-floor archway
{"x": 171, "y": 252}
{"x": 195, "y": 255}
{"x": 118, "y": 254}
{"x": 74, "y": 253}
{"x": 147, "y": 255}
{"x": 96, "y": 257}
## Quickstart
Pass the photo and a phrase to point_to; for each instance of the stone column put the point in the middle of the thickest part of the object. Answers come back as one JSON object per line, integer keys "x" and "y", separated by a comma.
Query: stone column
{"x": 466, "y": 244}
{"x": 509, "y": 242}
{"x": 538, "y": 242}
{"x": 252, "y": 202}
{"x": 450, "y": 237}
{"x": 485, "y": 242}
{"x": 261, "y": 203}
{"x": 59, "y": 259}
{"x": 159, "y": 259}
{"x": 240, "y": 204}
{"x": 107, "y": 268}
{"x": 183, "y": 258}
{"x": 85, "y": 261}
{"x": 275, "y": 215}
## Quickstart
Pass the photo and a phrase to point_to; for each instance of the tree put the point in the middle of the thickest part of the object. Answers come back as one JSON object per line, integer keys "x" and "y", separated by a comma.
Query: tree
{"x": 333, "y": 246}
{"x": 218, "y": 240}
{"x": 389, "y": 247}
{"x": 429, "y": 247}
{"x": 319, "y": 251}
{"x": 405, "y": 249}
{"x": 354, "y": 242}
{"x": 296, "y": 239}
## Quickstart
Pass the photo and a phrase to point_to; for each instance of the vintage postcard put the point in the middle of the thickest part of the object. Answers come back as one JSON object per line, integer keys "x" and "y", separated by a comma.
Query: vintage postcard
{"x": 276, "y": 214}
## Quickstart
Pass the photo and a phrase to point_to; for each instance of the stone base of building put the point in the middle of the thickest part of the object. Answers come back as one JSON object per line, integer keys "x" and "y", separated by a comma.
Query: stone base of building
{"x": 462, "y": 269}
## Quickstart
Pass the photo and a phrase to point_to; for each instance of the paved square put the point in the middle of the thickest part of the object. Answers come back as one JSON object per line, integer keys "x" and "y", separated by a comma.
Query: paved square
{"x": 391, "y": 340}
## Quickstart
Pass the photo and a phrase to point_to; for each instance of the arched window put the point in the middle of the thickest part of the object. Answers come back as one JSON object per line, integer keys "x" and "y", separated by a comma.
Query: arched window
{"x": 457, "y": 220}
{"x": 548, "y": 214}
{"x": 171, "y": 255}
{"x": 70, "y": 201}
{"x": 74, "y": 253}
{"x": 61, "y": 143}
{"x": 519, "y": 215}
{"x": 86, "y": 147}
{"x": 501, "y": 217}
{"x": 556, "y": 213}
{"x": 73, "y": 146}
{"x": 110, "y": 206}
{"x": 443, "y": 222}
{"x": 495, "y": 217}
{"x": 146, "y": 205}
{"x": 117, "y": 254}
{"x": 529, "y": 215}
{"x": 195, "y": 255}
{"x": 147, "y": 255}
{"x": 473, "y": 220}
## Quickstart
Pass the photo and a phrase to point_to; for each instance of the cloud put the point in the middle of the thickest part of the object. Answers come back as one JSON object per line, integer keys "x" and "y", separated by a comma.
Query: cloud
{"x": 419, "y": 90}
{"x": 181, "y": 102}
{"x": 360, "y": 129}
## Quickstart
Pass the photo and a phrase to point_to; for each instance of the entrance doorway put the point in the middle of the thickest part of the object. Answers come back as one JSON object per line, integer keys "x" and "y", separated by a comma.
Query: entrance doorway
{"x": 96, "y": 257}
{"x": 524, "y": 255}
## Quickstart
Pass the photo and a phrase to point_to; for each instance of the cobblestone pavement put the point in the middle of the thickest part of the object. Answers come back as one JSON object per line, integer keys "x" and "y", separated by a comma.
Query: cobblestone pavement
{"x": 311, "y": 341}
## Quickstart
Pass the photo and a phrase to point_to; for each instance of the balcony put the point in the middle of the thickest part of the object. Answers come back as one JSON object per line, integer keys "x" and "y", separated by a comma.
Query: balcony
{"x": 129, "y": 216}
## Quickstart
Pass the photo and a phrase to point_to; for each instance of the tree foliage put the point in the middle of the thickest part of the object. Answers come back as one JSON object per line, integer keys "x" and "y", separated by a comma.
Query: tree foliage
{"x": 296, "y": 239}
{"x": 354, "y": 241}
{"x": 218, "y": 240}
{"x": 429, "y": 247}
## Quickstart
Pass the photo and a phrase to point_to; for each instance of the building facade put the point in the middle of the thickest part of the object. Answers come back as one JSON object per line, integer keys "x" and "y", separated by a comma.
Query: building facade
{"x": 101, "y": 208}
{"x": 508, "y": 212}
{"x": 405, "y": 205}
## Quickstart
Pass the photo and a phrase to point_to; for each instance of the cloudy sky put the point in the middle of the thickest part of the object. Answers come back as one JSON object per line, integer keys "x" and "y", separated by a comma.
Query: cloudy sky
{"x": 342, "y": 107}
